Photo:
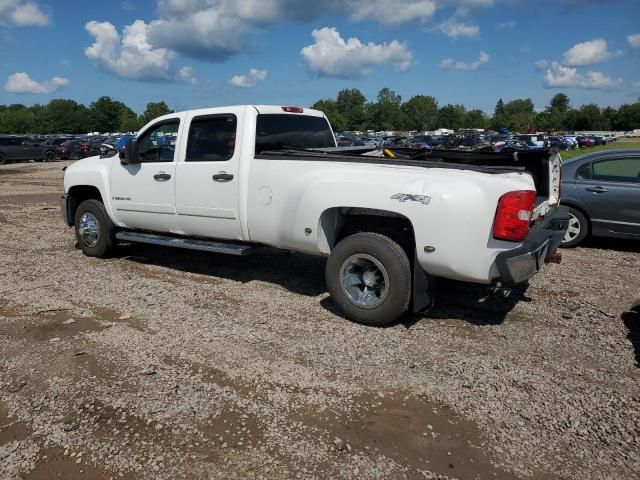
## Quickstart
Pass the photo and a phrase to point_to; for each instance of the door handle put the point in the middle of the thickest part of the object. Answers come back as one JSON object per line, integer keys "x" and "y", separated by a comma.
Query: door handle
{"x": 161, "y": 177}
{"x": 596, "y": 189}
{"x": 222, "y": 177}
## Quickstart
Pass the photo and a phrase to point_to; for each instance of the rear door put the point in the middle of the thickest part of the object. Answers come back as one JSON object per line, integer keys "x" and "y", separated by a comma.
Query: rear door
{"x": 207, "y": 177}
{"x": 612, "y": 194}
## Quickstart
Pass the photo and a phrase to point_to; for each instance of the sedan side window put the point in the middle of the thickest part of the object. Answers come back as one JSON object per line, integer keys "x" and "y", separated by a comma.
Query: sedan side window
{"x": 617, "y": 170}
{"x": 158, "y": 144}
{"x": 584, "y": 172}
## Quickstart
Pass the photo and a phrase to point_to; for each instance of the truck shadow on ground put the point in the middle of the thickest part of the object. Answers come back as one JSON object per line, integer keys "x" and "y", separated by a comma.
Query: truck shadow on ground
{"x": 631, "y": 320}
{"x": 305, "y": 275}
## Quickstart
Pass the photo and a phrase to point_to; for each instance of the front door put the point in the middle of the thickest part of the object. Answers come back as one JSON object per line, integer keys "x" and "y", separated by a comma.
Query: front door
{"x": 207, "y": 183}
{"x": 612, "y": 195}
{"x": 143, "y": 194}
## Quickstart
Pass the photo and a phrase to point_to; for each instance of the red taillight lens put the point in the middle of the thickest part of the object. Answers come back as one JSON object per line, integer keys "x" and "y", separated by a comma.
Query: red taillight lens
{"x": 293, "y": 109}
{"x": 513, "y": 215}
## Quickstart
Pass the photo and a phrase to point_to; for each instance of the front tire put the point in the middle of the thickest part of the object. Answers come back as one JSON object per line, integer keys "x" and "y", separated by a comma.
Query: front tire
{"x": 578, "y": 229}
{"x": 369, "y": 278}
{"x": 95, "y": 232}
{"x": 3, "y": 159}
{"x": 49, "y": 156}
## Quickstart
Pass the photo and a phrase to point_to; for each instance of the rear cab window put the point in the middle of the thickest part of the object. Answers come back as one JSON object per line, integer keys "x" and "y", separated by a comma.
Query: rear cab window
{"x": 282, "y": 131}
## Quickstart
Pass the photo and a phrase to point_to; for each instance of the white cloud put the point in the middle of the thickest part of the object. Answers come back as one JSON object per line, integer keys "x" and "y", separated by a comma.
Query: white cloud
{"x": 391, "y": 12}
{"x": 450, "y": 63}
{"x": 132, "y": 55}
{"x": 332, "y": 56}
{"x": 245, "y": 81}
{"x": 588, "y": 53}
{"x": 22, "y": 13}
{"x": 541, "y": 64}
{"x": 454, "y": 29}
{"x": 22, "y": 83}
{"x": 561, "y": 76}
{"x": 508, "y": 25}
{"x": 634, "y": 40}
{"x": 187, "y": 75}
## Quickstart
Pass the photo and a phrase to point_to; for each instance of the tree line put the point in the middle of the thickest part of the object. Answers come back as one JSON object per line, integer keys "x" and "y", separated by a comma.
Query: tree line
{"x": 68, "y": 116}
{"x": 350, "y": 111}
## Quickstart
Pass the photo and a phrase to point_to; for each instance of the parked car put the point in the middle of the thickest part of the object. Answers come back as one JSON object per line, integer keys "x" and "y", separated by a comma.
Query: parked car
{"x": 557, "y": 142}
{"x": 15, "y": 148}
{"x": 598, "y": 140}
{"x": 585, "y": 141}
{"x": 384, "y": 230}
{"x": 572, "y": 143}
{"x": 71, "y": 149}
{"x": 533, "y": 140}
{"x": 422, "y": 141}
{"x": 602, "y": 191}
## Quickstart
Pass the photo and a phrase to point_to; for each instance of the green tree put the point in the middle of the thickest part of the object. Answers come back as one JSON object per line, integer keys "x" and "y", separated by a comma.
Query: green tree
{"x": 452, "y": 116}
{"x": 105, "y": 115}
{"x": 476, "y": 118}
{"x": 421, "y": 113}
{"x": 63, "y": 116}
{"x": 556, "y": 113}
{"x": 386, "y": 113}
{"x": 153, "y": 111}
{"x": 17, "y": 119}
{"x": 351, "y": 105}
{"x": 330, "y": 109}
{"x": 519, "y": 114}
{"x": 628, "y": 117}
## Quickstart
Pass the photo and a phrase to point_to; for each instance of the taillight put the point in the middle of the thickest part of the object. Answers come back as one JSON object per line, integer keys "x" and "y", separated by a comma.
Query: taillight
{"x": 293, "y": 109}
{"x": 513, "y": 215}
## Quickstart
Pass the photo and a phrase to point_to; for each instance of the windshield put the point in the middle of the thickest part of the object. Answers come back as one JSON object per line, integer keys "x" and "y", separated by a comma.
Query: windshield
{"x": 278, "y": 131}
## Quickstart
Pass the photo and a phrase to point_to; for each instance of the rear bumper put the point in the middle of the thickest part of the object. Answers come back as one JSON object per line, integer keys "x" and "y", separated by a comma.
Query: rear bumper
{"x": 522, "y": 263}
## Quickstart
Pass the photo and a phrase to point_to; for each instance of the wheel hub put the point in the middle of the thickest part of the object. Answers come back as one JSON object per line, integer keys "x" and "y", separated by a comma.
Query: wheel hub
{"x": 364, "y": 281}
{"x": 89, "y": 229}
{"x": 573, "y": 230}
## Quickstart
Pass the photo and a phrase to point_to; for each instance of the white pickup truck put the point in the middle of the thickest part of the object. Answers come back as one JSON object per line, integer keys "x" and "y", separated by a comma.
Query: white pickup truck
{"x": 232, "y": 179}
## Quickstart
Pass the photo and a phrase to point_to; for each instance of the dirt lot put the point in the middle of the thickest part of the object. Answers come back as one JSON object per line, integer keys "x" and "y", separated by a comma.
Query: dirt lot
{"x": 174, "y": 364}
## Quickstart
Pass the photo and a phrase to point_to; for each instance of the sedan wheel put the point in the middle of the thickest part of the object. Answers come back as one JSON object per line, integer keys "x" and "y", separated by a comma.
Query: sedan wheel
{"x": 577, "y": 230}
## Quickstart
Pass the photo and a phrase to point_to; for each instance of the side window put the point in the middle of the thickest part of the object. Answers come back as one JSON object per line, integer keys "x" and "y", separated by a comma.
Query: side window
{"x": 212, "y": 138}
{"x": 28, "y": 142}
{"x": 158, "y": 144}
{"x": 584, "y": 172}
{"x": 617, "y": 170}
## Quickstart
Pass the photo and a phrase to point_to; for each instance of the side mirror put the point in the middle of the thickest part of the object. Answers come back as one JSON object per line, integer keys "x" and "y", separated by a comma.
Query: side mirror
{"x": 131, "y": 152}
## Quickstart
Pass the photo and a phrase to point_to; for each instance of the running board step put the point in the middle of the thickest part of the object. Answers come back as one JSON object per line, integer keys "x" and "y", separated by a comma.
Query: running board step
{"x": 187, "y": 243}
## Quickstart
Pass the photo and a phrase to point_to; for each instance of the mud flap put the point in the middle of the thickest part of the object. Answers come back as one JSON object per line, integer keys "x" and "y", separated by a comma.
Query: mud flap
{"x": 422, "y": 294}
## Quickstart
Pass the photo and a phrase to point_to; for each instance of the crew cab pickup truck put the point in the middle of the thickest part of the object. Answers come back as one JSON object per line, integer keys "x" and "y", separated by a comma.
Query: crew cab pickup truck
{"x": 230, "y": 180}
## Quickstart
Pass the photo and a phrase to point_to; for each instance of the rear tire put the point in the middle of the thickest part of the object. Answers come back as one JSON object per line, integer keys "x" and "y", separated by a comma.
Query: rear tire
{"x": 95, "y": 232}
{"x": 578, "y": 229}
{"x": 49, "y": 156}
{"x": 3, "y": 159}
{"x": 369, "y": 278}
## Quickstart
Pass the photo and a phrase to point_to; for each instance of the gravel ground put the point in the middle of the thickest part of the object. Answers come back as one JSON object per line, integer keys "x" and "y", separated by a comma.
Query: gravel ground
{"x": 175, "y": 364}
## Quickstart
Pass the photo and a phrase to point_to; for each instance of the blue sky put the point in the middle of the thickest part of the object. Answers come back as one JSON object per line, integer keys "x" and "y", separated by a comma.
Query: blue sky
{"x": 196, "y": 53}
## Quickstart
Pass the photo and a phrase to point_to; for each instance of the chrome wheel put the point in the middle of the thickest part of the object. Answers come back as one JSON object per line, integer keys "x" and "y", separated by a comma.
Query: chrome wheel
{"x": 89, "y": 229}
{"x": 364, "y": 281}
{"x": 574, "y": 229}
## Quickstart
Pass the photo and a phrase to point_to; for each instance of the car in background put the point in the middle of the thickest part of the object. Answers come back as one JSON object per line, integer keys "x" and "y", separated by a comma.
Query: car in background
{"x": 533, "y": 141}
{"x": 422, "y": 141}
{"x": 19, "y": 148}
{"x": 585, "y": 141}
{"x": 572, "y": 143}
{"x": 598, "y": 140}
{"x": 557, "y": 142}
{"x": 602, "y": 191}
{"x": 70, "y": 150}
